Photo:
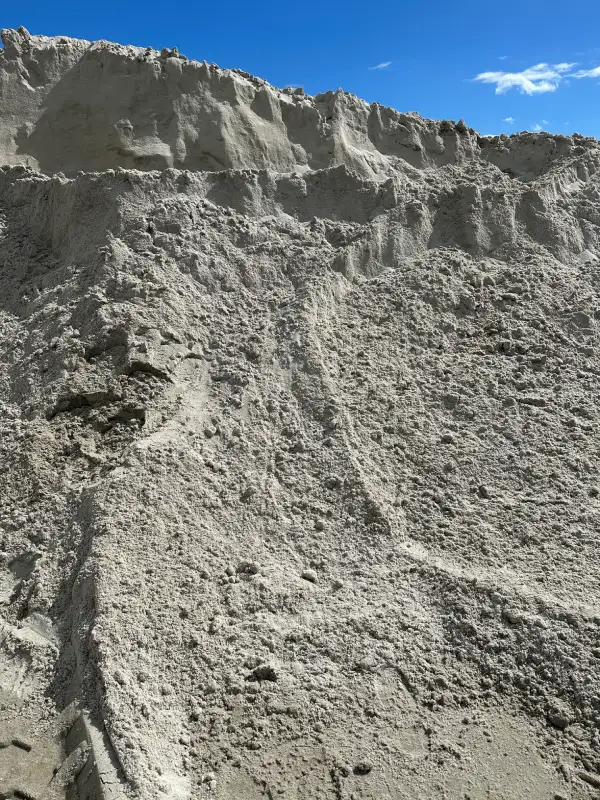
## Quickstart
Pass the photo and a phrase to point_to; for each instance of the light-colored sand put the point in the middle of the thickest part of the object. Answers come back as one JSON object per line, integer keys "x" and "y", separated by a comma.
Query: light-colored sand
{"x": 299, "y": 440}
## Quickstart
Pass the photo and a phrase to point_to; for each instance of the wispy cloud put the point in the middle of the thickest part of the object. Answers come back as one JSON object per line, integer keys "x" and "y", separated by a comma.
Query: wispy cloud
{"x": 383, "y": 65}
{"x": 502, "y": 58}
{"x": 587, "y": 73}
{"x": 510, "y": 120}
{"x": 537, "y": 127}
{"x": 535, "y": 80}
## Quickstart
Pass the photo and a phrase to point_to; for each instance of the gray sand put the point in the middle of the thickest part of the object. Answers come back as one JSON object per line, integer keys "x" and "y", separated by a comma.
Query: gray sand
{"x": 299, "y": 442}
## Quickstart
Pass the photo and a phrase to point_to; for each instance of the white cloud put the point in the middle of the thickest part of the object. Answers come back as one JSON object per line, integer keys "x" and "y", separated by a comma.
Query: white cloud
{"x": 534, "y": 80}
{"x": 502, "y": 58}
{"x": 544, "y": 122}
{"x": 383, "y": 65}
{"x": 537, "y": 127}
{"x": 510, "y": 120}
{"x": 587, "y": 73}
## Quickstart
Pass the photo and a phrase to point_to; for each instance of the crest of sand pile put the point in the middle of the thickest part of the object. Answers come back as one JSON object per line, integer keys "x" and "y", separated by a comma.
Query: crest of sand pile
{"x": 299, "y": 440}
{"x": 71, "y": 105}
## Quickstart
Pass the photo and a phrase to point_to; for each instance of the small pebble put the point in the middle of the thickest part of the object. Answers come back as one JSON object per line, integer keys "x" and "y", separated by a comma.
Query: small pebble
{"x": 567, "y": 771}
{"x": 559, "y": 720}
{"x": 120, "y": 678}
{"x": 248, "y": 567}
{"x": 310, "y": 575}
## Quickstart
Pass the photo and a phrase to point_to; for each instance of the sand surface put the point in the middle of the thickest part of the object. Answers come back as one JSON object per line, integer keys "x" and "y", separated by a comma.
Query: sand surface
{"x": 299, "y": 442}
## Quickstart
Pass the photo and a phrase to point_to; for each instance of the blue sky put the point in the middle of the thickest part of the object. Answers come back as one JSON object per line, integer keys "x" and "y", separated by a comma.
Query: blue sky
{"x": 429, "y": 53}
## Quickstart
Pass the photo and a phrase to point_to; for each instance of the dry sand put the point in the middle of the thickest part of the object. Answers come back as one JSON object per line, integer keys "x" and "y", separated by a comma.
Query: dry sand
{"x": 299, "y": 451}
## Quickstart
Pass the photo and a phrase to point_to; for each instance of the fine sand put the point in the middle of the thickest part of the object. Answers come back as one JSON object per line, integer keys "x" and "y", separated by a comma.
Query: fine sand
{"x": 299, "y": 442}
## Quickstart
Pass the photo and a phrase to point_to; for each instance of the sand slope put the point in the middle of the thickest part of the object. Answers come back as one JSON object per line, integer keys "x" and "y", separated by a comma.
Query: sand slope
{"x": 299, "y": 442}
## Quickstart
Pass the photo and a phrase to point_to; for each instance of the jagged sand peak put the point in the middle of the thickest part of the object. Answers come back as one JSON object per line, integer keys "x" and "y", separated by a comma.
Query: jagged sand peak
{"x": 69, "y": 105}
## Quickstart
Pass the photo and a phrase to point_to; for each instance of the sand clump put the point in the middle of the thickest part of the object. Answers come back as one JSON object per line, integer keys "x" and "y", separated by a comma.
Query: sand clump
{"x": 299, "y": 441}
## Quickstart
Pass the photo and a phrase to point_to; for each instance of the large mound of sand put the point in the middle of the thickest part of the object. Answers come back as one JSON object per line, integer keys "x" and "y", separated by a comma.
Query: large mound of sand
{"x": 299, "y": 442}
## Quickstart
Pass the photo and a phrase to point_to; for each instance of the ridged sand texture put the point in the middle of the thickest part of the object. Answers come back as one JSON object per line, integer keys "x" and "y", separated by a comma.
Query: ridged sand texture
{"x": 299, "y": 438}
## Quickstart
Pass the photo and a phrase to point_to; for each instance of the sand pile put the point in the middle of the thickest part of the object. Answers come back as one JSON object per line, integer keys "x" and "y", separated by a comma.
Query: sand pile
{"x": 299, "y": 493}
